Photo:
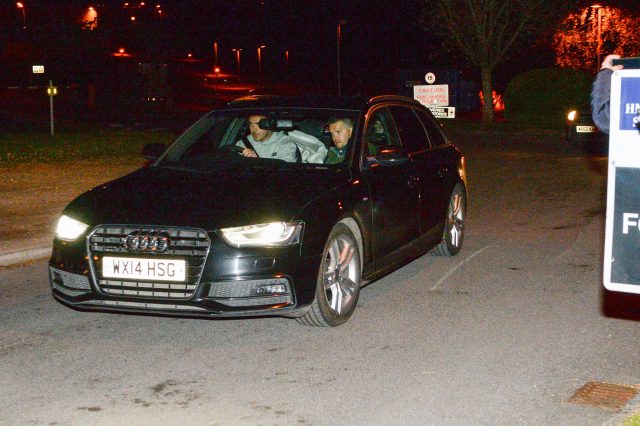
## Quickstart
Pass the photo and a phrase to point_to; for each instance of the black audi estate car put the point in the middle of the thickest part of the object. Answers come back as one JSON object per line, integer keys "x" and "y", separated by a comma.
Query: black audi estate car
{"x": 205, "y": 230}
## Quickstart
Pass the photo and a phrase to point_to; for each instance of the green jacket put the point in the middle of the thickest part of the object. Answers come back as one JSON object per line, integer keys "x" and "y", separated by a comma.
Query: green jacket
{"x": 335, "y": 155}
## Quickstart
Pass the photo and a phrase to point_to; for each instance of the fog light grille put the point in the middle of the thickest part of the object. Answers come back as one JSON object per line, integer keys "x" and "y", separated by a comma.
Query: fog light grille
{"x": 69, "y": 280}
{"x": 252, "y": 292}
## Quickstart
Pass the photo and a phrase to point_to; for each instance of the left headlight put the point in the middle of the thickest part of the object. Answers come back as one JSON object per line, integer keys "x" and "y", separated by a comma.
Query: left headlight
{"x": 69, "y": 229}
{"x": 572, "y": 115}
{"x": 264, "y": 234}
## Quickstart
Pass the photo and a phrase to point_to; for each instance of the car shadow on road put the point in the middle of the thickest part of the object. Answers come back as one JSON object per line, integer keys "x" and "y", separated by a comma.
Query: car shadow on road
{"x": 620, "y": 305}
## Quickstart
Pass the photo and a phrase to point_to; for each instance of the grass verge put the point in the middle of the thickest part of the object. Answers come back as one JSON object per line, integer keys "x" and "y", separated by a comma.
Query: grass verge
{"x": 82, "y": 145}
{"x": 632, "y": 421}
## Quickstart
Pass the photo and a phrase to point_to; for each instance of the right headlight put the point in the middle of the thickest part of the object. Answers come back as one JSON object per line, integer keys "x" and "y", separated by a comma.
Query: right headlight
{"x": 264, "y": 234}
{"x": 69, "y": 229}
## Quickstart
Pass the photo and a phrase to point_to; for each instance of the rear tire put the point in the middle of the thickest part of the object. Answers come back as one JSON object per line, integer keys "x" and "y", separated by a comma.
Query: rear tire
{"x": 338, "y": 283}
{"x": 455, "y": 223}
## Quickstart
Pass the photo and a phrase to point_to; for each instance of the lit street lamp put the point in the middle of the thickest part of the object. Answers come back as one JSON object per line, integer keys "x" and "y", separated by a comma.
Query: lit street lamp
{"x": 599, "y": 48}
{"x": 339, "y": 41}
{"x": 215, "y": 54}
{"x": 286, "y": 59}
{"x": 260, "y": 62}
{"x": 237, "y": 58}
{"x": 20, "y": 6}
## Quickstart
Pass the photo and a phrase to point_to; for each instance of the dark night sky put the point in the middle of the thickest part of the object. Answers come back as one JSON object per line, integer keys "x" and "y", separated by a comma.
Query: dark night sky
{"x": 378, "y": 37}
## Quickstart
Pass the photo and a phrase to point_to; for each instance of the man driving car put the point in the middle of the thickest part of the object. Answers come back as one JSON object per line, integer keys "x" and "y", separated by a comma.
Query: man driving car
{"x": 267, "y": 143}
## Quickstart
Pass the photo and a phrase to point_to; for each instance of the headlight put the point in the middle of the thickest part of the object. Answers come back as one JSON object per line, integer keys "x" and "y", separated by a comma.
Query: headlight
{"x": 69, "y": 229}
{"x": 572, "y": 115}
{"x": 264, "y": 234}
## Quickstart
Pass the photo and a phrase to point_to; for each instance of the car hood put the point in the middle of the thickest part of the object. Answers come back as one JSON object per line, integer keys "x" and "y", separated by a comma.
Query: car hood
{"x": 208, "y": 200}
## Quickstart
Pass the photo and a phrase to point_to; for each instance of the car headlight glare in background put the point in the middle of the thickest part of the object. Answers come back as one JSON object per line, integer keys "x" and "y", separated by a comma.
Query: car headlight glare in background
{"x": 264, "y": 234}
{"x": 69, "y": 229}
{"x": 572, "y": 115}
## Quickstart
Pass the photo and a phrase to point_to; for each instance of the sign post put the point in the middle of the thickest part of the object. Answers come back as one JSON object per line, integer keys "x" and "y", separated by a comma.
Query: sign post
{"x": 51, "y": 91}
{"x": 622, "y": 232}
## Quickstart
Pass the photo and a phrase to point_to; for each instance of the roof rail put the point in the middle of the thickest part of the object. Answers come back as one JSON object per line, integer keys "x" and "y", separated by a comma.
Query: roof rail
{"x": 250, "y": 98}
{"x": 382, "y": 98}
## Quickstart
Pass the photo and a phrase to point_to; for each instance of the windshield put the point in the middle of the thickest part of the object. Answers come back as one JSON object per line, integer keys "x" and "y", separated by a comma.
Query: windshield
{"x": 282, "y": 136}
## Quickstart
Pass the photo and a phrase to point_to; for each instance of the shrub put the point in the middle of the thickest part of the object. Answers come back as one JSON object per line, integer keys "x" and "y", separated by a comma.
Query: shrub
{"x": 543, "y": 96}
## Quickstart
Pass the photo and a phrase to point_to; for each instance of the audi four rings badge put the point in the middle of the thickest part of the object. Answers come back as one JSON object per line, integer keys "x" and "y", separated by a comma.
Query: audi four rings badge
{"x": 147, "y": 241}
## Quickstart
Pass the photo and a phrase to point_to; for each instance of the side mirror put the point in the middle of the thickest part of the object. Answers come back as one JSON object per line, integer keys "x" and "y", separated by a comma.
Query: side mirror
{"x": 388, "y": 156}
{"x": 153, "y": 151}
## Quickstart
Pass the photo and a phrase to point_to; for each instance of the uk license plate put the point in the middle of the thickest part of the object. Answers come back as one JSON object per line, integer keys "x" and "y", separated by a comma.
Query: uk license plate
{"x": 144, "y": 269}
{"x": 585, "y": 129}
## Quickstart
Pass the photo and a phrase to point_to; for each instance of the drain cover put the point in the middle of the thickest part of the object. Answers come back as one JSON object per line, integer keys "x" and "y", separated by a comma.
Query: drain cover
{"x": 604, "y": 395}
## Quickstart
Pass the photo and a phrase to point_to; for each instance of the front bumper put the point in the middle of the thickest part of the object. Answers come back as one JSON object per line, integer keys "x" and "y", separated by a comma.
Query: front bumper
{"x": 231, "y": 283}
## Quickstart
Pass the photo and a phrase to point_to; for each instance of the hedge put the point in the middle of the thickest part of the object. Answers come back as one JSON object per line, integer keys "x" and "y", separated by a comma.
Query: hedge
{"x": 544, "y": 96}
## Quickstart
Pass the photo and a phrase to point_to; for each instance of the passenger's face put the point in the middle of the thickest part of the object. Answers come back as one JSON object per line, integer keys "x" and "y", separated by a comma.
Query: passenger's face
{"x": 258, "y": 134}
{"x": 340, "y": 133}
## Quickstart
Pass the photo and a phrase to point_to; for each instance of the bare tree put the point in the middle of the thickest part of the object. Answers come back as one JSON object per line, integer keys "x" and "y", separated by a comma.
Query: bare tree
{"x": 483, "y": 31}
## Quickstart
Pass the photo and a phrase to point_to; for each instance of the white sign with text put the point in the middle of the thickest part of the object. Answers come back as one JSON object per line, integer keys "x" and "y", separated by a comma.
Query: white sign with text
{"x": 622, "y": 231}
{"x": 432, "y": 95}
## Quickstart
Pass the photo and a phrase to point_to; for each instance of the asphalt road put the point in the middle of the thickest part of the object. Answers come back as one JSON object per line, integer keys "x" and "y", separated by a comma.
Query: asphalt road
{"x": 502, "y": 334}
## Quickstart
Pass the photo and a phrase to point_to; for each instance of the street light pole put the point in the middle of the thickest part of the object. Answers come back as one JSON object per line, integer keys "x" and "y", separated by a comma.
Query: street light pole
{"x": 215, "y": 55}
{"x": 20, "y": 6}
{"x": 339, "y": 42}
{"x": 237, "y": 59}
{"x": 599, "y": 45}
{"x": 286, "y": 59}
{"x": 260, "y": 62}
{"x": 599, "y": 34}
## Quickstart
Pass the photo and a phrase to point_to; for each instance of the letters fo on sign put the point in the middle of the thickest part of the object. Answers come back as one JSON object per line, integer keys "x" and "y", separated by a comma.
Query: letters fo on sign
{"x": 622, "y": 232}
{"x": 432, "y": 95}
{"x": 624, "y": 261}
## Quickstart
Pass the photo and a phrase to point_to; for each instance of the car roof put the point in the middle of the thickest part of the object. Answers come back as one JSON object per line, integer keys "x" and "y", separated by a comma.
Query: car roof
{"x": 316, "y": 101}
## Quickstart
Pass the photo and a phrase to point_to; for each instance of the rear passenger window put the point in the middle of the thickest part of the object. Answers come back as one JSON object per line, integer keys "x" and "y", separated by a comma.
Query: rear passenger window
{"x": 433, "y": 129}
{"x": 411, "y": 131}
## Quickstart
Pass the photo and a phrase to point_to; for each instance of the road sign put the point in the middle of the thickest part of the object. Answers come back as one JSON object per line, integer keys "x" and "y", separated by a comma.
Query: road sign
{"x": 432, "y": 95}
{"x": 430, "y": 78}
{"x": 443, "y": 112}
{"x": 37, "y": 69}
{"x": 622, "y": 231}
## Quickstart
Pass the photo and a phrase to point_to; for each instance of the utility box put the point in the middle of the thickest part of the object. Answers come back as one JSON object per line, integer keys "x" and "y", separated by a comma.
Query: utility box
{"x": 622, "y": 232}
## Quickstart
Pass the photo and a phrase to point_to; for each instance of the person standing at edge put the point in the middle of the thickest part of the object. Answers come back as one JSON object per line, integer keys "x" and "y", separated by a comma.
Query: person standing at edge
{"x": 601, "y": 93}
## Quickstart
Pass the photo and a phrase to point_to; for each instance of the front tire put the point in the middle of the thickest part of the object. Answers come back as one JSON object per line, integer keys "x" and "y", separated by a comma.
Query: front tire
{"x": 455, "y": 224}
{"x": 338, "y": 284}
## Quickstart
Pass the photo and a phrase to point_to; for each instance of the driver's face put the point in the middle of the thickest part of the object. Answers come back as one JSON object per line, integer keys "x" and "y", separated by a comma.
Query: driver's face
{"x": 258, "y": 134}
{"x": 340, "y": 133}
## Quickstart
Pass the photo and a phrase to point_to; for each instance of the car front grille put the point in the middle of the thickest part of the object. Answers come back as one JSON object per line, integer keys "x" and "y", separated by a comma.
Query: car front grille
{"x": 189, "y": 244}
